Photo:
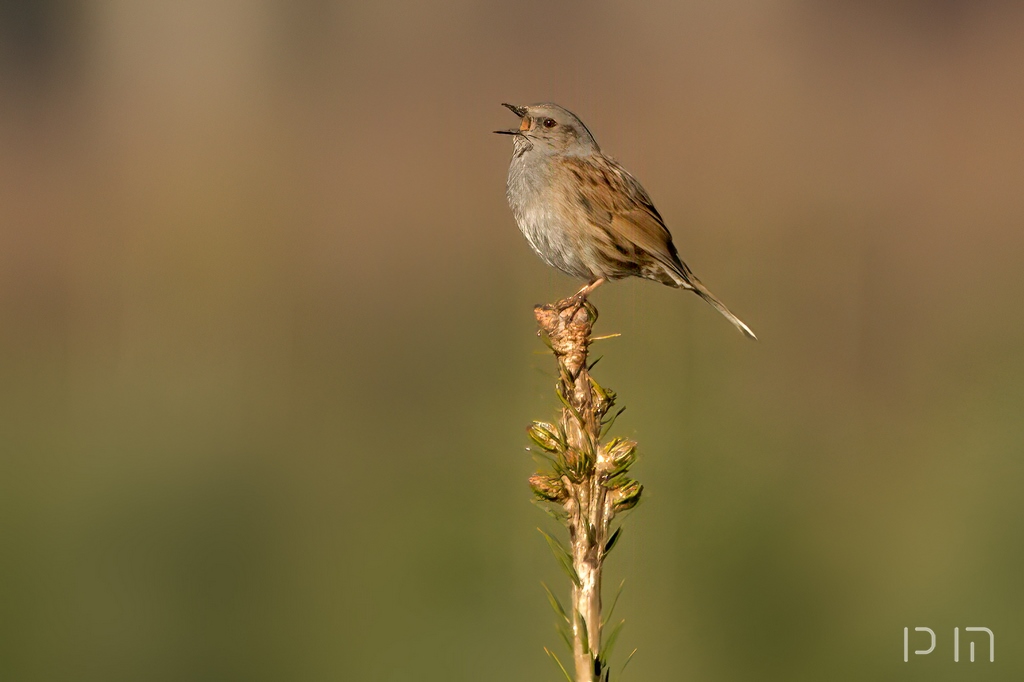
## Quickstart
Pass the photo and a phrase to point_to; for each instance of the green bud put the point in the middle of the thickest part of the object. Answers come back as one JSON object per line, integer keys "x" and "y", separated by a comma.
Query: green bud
{"x": 627, "y": 496}
{"x": 543, "y": 434}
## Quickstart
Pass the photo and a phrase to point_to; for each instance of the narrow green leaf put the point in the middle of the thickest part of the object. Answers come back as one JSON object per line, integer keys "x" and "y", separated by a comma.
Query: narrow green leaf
{"x": 563, "y": 557}
{"x": 611, "y": 422}
{"x": 588, "y": 531}
{"x": 617, "y": 478}
{"x": 558, "y": 662}
{"x": 609, "y": 645}
{"x": 557, "y": 513}
{"x": 556, "y": 545}
{"x": 543, "y": 458}
{"x": 563, "y": 630}
{"x": 555, "y": 604}
{"x": 584, "y": 639}
{"x": 563, "y": 437}
{"x": 612, "y": 540}
{"x": 628, "y": 659}
{"x": 540, "y": 457}
{"x": 572, "y": 410}
{"x": 615, "y": 601}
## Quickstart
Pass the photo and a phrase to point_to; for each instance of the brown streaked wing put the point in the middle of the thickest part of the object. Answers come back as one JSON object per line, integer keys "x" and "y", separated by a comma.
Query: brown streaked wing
{"x": 628, "y": 210}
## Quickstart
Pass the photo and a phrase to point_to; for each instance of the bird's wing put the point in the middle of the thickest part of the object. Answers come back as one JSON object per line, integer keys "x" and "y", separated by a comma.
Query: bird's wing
{"x": 618, "y": 204}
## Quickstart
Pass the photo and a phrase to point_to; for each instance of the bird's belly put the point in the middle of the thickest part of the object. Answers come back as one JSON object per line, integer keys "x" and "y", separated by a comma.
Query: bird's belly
{"x": 555, "y": 240}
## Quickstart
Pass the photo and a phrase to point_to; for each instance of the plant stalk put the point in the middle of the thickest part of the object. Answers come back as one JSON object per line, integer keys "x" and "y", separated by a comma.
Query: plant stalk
{"x": 589, "y": 480}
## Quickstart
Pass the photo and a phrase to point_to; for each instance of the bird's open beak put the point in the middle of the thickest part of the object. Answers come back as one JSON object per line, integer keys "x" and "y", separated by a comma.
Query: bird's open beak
{"x": 518, "y": 111}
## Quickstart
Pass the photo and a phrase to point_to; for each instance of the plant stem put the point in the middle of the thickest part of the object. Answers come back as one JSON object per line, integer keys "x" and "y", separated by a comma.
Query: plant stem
{"x": 589, "y": 481}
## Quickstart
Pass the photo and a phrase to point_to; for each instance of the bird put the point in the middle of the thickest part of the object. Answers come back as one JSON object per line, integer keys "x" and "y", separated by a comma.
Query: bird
{"x": 585, "y": 214}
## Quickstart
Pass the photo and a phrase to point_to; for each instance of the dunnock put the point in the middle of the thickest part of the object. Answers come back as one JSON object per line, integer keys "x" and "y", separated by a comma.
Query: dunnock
{"x": 585, "y": 214}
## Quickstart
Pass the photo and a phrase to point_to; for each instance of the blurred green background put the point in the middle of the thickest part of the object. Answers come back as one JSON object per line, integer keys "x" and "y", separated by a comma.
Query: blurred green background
{"x": 267, "y": 354}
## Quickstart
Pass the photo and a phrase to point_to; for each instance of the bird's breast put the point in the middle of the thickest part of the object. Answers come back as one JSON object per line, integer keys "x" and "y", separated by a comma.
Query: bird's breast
{"x": 539, "y": 209}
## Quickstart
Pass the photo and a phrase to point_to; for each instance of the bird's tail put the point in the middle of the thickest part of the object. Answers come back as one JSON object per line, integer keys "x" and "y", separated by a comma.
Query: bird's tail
{"x": 702, "y": 291}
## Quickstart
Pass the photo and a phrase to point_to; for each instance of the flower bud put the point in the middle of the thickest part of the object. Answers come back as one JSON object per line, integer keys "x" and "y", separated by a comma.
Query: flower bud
{"x": 543, "y": 434}
{"x": 548, "y": 488}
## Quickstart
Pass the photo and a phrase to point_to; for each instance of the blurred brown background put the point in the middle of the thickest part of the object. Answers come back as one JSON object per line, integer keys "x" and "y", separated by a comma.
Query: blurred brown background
{"x": 267, "y": 353}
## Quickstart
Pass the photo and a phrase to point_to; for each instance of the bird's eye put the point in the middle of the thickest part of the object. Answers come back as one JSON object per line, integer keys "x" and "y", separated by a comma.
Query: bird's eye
{"x": 549, "y": 123}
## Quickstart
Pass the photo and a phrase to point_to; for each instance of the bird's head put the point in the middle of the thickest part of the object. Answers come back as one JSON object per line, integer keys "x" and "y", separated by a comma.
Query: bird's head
{"x": 550, "y": 128}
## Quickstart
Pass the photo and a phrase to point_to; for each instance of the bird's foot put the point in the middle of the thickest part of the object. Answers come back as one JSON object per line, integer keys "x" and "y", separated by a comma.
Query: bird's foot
{"x": 587, "y": 290}
{"x": 579, "y": 300}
